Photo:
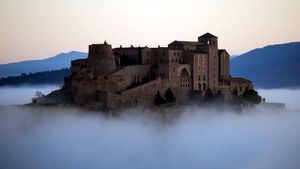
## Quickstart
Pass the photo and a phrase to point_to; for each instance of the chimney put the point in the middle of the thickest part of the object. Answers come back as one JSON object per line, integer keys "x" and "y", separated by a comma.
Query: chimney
{"x": 158, "y": 46}
{"x": 131, "y": 46}
{"x": 120, "y": 46}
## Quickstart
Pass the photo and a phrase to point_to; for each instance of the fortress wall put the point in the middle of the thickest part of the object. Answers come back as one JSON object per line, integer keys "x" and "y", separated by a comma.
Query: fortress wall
{"x": 141, "y": 95}
{"x": 240, "y": 85}
{"x": 133, "y": 73}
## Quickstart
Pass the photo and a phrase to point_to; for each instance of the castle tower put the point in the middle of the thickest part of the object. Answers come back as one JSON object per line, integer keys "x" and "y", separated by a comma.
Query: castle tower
{"x": 101, "y": 58}
{"x": 209, "y": 44}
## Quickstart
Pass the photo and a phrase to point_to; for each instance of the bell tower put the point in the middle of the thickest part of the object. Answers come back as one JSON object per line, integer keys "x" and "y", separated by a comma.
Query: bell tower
{"x": 209, "y": 44}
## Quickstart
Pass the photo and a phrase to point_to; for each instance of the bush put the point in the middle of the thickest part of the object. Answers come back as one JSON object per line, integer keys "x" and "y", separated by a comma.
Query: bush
{"x": 251, "y": 96}
{"x": 170, "y": 98}
{"x": 158, "y": 100}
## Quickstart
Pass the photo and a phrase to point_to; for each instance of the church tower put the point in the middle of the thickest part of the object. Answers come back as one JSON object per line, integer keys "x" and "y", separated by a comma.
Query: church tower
{"x": 209, "y": 44}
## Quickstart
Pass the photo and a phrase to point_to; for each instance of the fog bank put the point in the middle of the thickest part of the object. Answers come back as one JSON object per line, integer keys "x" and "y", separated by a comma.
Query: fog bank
{"x": 12, "y": 95}
{"x": 35, "y": 138}
{"x": 291, "y": 97}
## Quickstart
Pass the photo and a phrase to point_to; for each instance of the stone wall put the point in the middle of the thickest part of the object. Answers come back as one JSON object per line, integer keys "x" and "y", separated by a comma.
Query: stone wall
{"x": 134, "y": 73}
{"x": 240, "y": 84}
{"x": 101, "y": 59}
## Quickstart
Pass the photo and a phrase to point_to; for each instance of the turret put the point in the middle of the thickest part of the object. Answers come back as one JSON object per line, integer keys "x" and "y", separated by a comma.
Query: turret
{"x": 101, "y": 58}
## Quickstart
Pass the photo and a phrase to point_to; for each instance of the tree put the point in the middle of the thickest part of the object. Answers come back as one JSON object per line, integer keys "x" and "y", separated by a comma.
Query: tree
{"x": 251, "y": 96}
{"x": 219, "y": 97}
{"x": 209, "y": 96}
{"x": 158, "y": 99}
{"x": 39, "y": 94}
{"x": 170, "y": 98}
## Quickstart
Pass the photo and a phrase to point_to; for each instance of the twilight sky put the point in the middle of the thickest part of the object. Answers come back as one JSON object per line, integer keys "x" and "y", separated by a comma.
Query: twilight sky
{"x": 34, "y": 29}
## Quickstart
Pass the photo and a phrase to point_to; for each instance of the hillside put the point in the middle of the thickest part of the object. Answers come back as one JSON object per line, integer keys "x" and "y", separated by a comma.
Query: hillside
{"x": 53, "y": 63}
{"x": 274, "y": 66}
{"x": 46, "y": 77}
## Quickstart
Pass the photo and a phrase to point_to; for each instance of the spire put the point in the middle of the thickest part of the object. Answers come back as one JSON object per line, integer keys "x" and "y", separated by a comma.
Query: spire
{"x": 105, "y": 43}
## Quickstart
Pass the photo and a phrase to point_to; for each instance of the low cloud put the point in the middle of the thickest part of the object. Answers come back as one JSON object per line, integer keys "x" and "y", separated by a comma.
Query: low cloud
{"x": 35, "y": 138}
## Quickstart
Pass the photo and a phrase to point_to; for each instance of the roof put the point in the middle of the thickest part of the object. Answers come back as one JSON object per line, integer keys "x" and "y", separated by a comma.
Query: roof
{"x": 188, "y": 43}
{"x": 220, "y": 51}
{"x": 208, "y": 35}
{"x": 126, "y": 48}
{"x": 240, "y": 79}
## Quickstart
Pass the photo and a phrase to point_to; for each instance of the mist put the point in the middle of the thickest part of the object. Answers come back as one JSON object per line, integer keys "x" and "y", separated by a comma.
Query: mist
{"x": 68, "y": 138}
{"x": 18, "y": 95}
{"x": 288, "y": 96}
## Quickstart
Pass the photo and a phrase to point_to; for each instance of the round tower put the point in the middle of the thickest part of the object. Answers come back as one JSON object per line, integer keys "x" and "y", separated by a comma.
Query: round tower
{"x": 101, "y": 58}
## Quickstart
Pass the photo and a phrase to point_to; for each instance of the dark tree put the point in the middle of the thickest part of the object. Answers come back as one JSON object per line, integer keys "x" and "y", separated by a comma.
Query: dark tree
{"x": 170, "y": 98}
{"x": 219, "y": 97}
{"x": 251, "y": 96}
{"x": 158, "y": 99}
{"x": 209, "y": 96}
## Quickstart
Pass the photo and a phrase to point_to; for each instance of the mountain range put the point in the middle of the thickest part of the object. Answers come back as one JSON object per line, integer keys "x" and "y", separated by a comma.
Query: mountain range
{"x": 274, "y": 66}
{"x": 57, "y": 62}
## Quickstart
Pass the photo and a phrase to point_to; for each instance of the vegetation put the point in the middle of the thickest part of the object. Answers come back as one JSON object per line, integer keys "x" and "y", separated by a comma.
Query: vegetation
{"x": 251, "y": 96}
{"x": 158, "y": 100}
{"x": 47, "y": 77}
{"x": 168, "y": 97}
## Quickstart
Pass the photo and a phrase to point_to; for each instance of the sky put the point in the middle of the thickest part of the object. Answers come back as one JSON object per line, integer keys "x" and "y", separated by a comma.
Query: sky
{"x": 35, "y": 29}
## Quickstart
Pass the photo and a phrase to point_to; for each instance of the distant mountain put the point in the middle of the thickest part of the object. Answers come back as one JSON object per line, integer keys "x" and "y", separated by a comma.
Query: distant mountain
{"x": 53, "y": 63}
{"x": 47, "y": 77}
{"x": 275, "y": 66}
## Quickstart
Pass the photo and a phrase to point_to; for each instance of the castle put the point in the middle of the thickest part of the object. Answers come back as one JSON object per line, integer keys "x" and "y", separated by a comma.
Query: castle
{"x": 124, "y": 77}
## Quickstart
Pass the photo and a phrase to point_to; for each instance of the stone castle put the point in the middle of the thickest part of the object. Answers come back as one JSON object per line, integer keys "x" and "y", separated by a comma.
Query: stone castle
{"x": 131, "y": 76}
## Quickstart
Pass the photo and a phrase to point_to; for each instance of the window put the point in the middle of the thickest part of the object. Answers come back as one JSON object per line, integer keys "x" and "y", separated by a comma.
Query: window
{"x": 204, "y": 77}
{"x": 173, "y": 69}
{"x": 199, "y": 78}
{"x": 176, "y": 60}
{"x": 174, "y": 53}
{"x": 177, "y": 53}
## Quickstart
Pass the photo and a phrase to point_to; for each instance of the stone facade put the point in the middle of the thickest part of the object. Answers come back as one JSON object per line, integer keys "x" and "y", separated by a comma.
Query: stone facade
{"x": 123, "y": 77}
